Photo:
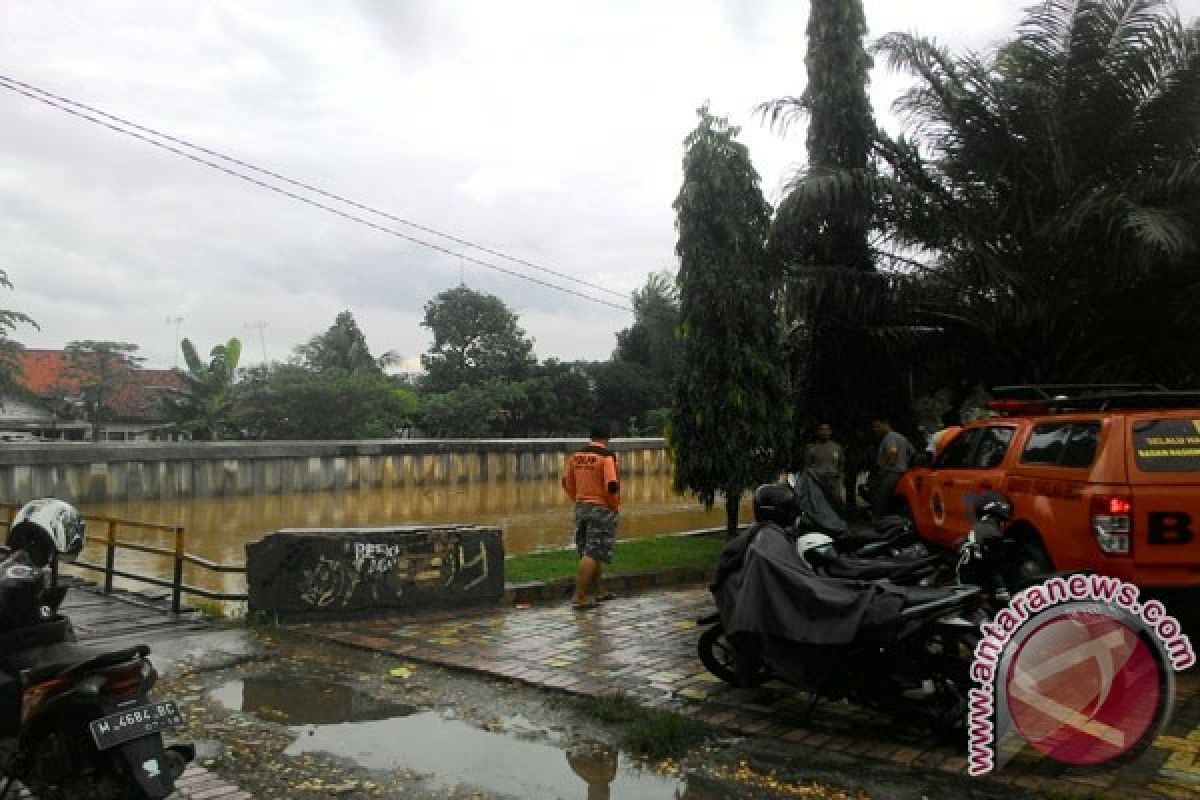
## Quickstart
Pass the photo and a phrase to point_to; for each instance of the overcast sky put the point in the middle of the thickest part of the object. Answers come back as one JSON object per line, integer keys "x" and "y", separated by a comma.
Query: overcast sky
{"x": 550, "y": 131}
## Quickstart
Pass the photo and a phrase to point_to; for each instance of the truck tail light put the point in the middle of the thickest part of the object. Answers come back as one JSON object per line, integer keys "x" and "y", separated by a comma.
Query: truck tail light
{"x": 1112, "y": 523}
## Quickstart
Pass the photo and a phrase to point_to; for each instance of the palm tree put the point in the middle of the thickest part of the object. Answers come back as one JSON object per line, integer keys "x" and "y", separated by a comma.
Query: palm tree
{"x": 1049, "y": 194}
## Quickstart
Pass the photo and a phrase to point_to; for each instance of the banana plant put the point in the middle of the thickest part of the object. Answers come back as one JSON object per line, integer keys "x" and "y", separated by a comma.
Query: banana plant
{"x": 208, "y": 397}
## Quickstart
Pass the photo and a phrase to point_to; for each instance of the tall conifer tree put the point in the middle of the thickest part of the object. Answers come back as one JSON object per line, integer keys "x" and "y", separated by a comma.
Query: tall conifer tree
{"x": 728, "y": 416}
{"x": 841, "y": 369}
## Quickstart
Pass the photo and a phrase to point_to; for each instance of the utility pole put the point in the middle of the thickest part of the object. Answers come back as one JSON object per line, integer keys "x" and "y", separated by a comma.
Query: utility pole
{"x": 261, "y": 339}
{"x": 176, "y": 320}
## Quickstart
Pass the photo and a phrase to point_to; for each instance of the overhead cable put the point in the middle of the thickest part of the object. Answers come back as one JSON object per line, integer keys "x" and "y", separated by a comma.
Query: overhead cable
{"x": 110, "y": 122}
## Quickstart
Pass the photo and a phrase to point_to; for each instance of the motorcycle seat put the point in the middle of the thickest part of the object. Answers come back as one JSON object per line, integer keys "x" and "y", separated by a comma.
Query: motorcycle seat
{"x": 43, "y": 663}
{"x": 869, "y": 569}
{"x": 40, "y": 634}
{"x": 849, "y": 542}
{"x": 922, "y": 600}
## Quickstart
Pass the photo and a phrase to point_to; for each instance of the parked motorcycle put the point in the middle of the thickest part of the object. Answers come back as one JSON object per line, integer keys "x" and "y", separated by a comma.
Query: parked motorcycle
{"x": 910, "y": 569}
{"x": 892, "y": 535}
{"x": 987, "y": 557}
{"x": 75, "y": 721}
{"x": 903, "y": 650}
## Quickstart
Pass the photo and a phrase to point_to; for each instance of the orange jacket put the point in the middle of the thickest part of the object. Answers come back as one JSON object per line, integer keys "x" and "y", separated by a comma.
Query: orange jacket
{"x": 592, "y": 476}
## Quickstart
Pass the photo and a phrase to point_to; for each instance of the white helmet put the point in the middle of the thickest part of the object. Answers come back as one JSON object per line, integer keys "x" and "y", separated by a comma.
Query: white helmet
{"x": 814, "y": 547}
{"x": 46, "y": 527}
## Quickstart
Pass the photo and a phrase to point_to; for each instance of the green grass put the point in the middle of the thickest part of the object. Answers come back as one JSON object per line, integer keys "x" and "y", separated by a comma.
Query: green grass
{"x": 633, "y": 556}
{"x": 209, "y": 608}
{"x": 645, "y": 732}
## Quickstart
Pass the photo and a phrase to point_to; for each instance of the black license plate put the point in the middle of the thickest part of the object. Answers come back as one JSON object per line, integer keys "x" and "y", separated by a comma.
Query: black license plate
{"x": 133, "y": 723}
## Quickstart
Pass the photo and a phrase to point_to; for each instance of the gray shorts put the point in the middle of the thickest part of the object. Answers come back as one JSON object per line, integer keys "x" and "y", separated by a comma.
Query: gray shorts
{"x": 595, "y": 531}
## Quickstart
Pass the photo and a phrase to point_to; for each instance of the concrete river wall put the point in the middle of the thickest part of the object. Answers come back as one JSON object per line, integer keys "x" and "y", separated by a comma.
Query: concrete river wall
{"x": 113, "y": 471}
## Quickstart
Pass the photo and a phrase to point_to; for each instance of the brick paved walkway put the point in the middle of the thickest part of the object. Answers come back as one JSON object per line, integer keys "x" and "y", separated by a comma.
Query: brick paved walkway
{"x": 646, "y": 645}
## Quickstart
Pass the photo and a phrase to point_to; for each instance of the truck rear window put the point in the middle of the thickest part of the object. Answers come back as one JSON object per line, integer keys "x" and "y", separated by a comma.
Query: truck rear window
{"x": 1167, "y": 445}
{"x": 1062, "y": 444}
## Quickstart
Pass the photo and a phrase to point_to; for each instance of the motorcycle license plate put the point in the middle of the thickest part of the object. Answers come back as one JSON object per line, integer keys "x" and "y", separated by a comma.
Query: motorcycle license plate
{"x": 133, "y": 723}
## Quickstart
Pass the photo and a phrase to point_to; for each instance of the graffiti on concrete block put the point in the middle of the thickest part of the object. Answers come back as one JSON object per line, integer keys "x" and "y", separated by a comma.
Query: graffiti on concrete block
{"x": 327, "y": 582}
{"x": 374, "y": 573}
{"x": 464, "y": 567}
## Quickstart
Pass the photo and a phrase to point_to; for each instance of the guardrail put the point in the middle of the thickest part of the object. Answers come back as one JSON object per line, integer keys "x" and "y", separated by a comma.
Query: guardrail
{"x": 178, "y": 554}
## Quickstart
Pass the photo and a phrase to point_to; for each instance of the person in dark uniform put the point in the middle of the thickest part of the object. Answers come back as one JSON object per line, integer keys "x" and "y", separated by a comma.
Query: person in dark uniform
{"x": 592, "y": 479}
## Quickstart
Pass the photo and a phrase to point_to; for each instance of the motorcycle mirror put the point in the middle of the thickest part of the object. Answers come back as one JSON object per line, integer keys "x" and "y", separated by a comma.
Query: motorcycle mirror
{"x": 993, "y": 505}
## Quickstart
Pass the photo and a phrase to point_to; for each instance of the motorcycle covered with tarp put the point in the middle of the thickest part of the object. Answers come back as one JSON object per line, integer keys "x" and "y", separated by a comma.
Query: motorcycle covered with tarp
{"x": 892, "y": 536}
{"x": 902, "y": 650}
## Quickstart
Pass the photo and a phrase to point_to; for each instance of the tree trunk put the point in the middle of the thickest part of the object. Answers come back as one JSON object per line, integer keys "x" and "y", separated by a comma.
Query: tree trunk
{"x": 732, "y": 503}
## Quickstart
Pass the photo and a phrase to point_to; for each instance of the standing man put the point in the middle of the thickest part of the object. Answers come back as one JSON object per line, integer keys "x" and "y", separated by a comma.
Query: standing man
{"x": 950, "y": 426}
{"x": 827, "y": 460}
{"x": 593, "y": 480}
{"x": 895, "y": 452}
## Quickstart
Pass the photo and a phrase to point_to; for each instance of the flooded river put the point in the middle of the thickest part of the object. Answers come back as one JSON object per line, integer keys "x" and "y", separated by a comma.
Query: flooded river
{"x": 533, "y": 515}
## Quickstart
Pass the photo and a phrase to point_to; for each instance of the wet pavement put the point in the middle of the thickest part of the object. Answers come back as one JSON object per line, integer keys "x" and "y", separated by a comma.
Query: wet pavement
{"x": 645, "y": 646}
{"x": 305, "y": 719}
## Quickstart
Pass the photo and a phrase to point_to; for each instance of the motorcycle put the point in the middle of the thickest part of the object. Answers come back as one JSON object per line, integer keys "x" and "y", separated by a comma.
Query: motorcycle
{"x": 910, "y": 569}
{"x": 75, "y": 721}
{"x": 903, "y": 650}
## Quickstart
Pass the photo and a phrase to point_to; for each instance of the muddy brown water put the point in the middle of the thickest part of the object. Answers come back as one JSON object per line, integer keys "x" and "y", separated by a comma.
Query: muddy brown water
{"x": 522, "y": 760}
{"x": 533, "y": 515}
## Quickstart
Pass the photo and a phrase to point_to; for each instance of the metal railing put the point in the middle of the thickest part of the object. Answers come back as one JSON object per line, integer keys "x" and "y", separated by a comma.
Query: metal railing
{"x": 178, "y": 554}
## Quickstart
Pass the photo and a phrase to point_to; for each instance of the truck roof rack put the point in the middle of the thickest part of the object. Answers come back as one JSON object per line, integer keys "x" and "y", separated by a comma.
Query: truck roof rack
{"x": 1037, "y": 399}
{"x": 1057, "y": 391}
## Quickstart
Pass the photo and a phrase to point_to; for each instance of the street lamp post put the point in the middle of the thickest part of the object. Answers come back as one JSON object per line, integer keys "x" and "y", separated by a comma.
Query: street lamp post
{"x": 176, "y": 320}
{"x": 261, "y": 339}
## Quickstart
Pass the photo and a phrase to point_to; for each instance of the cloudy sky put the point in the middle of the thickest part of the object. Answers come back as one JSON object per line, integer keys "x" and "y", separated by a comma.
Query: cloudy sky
{"x": 549, "y": 131}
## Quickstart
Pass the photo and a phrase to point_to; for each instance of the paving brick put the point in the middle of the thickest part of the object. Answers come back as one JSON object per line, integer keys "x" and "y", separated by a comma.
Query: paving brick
{"x": 644, "y": 645}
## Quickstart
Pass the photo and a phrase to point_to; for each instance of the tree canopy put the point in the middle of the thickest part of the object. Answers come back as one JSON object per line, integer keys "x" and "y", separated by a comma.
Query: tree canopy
{"x": 10, "y": 365}
{"x": 292, "y": 402}
{"x": 1050, "y": 191}
{"x": 844, "y": 366}
{"x": 100, "y": 369}
{"x": 730, "y": 408}
{"x": 475, "y": 339}
{"x": 342, "y": 347}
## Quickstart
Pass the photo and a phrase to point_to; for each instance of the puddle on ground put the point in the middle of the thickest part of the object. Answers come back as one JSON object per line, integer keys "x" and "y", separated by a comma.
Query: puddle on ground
{"x": 451, "y": 752}
{"x": 331, "y": 718}
{"x": 293, "y": 701}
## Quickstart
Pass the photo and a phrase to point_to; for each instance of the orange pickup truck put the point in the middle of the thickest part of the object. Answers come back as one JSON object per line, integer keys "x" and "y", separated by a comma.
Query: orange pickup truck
{"x": 1105, "y": 480}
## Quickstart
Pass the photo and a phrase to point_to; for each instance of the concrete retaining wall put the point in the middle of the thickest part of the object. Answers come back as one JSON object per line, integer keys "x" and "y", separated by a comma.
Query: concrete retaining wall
{"x": 112, "y": 472}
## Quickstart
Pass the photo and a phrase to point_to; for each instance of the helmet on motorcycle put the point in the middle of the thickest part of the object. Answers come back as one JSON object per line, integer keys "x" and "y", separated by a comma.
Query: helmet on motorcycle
{"x": 776, "y": 502}
{"x": 994, "y": 505}
{"x": 815, "y": 547}
{"x": 48, "y": 527}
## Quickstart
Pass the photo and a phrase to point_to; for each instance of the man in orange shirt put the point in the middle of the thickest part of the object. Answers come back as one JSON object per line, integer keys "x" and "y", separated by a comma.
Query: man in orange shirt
{"x": 593, "y": 480}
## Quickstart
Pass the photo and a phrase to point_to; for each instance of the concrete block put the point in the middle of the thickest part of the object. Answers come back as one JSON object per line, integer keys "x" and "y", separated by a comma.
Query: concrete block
{"x": 323, "y": 572}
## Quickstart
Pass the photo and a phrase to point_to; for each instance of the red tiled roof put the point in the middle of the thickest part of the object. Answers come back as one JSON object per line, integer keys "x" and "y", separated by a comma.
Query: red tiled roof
{"x": 43, "y": 374}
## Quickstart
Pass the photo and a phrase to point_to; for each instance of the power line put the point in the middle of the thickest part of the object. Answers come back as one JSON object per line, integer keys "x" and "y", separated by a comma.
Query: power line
{"x": 70, "y": 106}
